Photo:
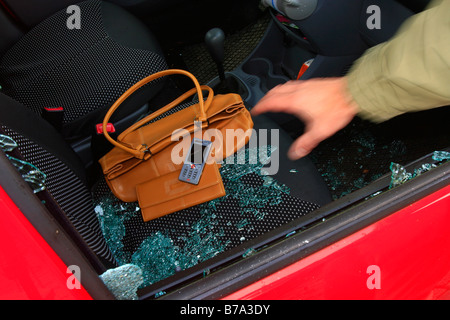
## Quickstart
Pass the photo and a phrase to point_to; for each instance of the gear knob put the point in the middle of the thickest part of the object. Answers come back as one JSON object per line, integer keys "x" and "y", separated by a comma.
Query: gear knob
{"x": 215, "y": 39}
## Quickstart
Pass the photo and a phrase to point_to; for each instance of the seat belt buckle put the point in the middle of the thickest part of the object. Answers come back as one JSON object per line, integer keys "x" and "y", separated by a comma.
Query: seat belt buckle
{"x": 54, "y": 115}
{"x": 109, "y": 128}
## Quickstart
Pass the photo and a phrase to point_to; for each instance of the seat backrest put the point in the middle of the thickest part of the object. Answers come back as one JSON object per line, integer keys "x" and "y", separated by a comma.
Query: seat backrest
{"x": 41, "y": 145}
{"x": 83, "y": 71}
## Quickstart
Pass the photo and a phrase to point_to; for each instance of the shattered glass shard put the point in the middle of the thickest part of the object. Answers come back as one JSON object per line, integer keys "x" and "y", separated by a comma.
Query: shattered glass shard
{"x": 423, "y": 168}
{"x": 112, "y": 217}
{"x": 249, "y": 253}
{"x": 7, "y": 144}
{"x": 160, "y": 294}
{"x": 159, "y": 258}
{"x": 241, "y": 224}
{"x": 123, "y": 281}
{"x": 267, "y": 181}
{"x": 32, "y": 175}
{"x": 398, "y": 175}
{"x": 441, "y": 155}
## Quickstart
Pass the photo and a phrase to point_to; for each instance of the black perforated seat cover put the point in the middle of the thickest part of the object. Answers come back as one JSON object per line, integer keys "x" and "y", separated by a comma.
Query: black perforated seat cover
{"x": 82, "y": 70}
{"x": 40, "y": 144}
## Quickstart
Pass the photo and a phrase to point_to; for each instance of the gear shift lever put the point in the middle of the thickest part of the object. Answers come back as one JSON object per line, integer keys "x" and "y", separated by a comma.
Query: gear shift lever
{"x": 215, "y": 39}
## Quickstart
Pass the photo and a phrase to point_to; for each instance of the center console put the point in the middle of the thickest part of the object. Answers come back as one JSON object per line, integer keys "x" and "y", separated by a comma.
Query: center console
{"x": 331, "y": 37}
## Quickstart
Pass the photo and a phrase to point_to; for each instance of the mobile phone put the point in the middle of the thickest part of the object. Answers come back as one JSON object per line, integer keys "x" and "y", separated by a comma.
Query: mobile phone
{"x": 195, "y": 161}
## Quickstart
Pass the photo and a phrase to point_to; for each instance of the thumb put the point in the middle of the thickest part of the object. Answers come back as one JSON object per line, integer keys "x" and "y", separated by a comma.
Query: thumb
{"x": 305, "y": 144}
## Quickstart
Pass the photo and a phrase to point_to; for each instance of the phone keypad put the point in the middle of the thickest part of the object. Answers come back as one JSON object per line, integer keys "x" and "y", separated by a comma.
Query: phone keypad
{"x": 190, "y": 174}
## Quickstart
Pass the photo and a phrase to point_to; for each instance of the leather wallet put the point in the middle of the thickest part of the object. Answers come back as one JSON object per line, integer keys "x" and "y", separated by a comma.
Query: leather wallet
{"x": 167, "y": 194}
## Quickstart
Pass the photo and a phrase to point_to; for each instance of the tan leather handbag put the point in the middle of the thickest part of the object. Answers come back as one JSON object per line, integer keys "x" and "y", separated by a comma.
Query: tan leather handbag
{"x": 143, "y": 152}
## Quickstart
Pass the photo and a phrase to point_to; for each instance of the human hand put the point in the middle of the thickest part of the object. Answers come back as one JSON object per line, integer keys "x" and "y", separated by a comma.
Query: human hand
{"x": 324, "y": 105}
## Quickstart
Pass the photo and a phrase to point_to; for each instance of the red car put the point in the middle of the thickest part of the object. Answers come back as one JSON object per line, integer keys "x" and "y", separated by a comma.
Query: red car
{"x": 364, "y": 216}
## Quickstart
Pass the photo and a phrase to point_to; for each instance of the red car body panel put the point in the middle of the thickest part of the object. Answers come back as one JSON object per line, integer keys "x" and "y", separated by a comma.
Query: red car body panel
{"x": 29, "y": 268}
{"x": 408, "y": 250}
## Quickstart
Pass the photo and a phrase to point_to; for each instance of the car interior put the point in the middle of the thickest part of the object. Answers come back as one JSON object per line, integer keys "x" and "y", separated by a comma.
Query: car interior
{"x": 57, "y": 84}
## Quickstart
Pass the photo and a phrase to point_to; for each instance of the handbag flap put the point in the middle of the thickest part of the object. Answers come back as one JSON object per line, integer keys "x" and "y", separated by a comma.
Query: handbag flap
{"x": 167, "y": 194}
{"x": 167, "y": 188}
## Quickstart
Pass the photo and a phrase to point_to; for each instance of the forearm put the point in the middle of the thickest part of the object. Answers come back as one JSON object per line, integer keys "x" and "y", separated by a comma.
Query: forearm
{"x": 411, "y": 72}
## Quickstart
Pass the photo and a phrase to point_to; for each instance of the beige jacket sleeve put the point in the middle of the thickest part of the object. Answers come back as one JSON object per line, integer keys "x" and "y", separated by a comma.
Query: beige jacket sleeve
{"x": 410, "y": 72}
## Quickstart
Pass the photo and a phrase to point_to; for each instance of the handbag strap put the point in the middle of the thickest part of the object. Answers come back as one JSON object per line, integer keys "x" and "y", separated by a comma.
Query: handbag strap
{"x": 168, "y": 107}
{"x": 143, "y": 151}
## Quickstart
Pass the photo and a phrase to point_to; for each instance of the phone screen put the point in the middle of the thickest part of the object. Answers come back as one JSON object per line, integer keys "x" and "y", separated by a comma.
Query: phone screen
{"x": 197, "y": 153}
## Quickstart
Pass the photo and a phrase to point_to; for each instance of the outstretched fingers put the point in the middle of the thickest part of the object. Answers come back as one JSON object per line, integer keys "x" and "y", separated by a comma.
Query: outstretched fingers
{"x": 324, "y": 105}
{"x": 279, "y": 99}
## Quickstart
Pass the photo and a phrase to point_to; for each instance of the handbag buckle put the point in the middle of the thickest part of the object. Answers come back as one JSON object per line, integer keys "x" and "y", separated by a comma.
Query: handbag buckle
{"x": 201, "y": 121}
{"x": 146, "y": 150}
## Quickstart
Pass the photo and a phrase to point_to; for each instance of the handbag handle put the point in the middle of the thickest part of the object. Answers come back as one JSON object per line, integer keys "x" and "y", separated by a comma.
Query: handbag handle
{"x": 143, "y": 152}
